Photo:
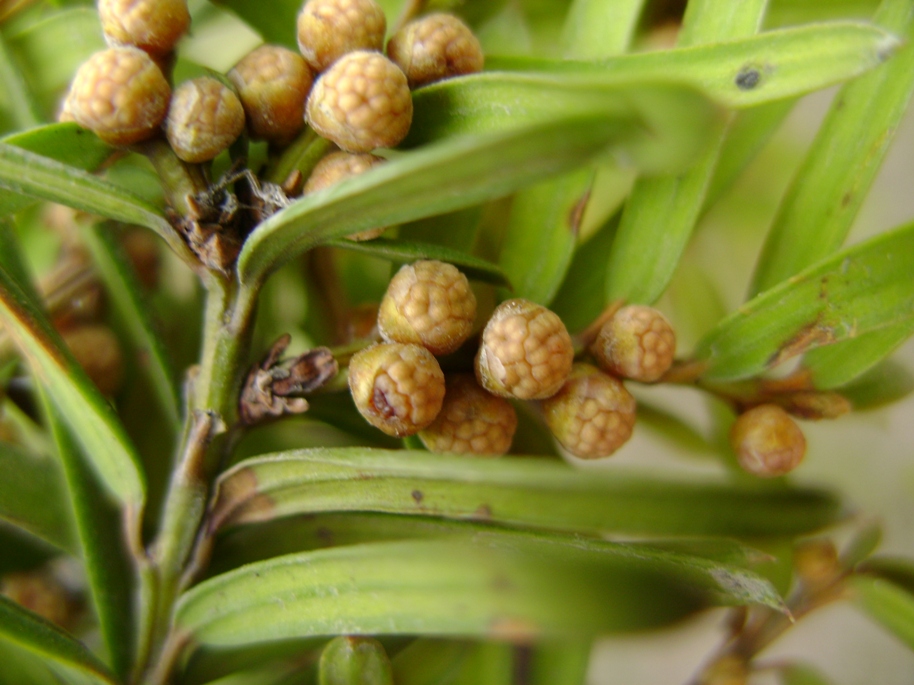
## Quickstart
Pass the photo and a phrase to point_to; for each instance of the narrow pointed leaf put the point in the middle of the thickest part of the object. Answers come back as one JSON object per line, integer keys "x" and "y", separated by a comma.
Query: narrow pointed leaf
{"x": 747, "y": 72}
{"x": 49, "y": 646}
{"x": 524, "y": 491}
{"x": 133, "y": 313}
{"x": 407, "y": 251}
{"x": 888, "y": 604}
{"x": 836, "y": 365}
{"x": 865, "y": 288}
{"x": 661, "y": 213}
{"x": 883, "y": 384}
{"x": 542, "y": 231}
{"x": 79, "y": 401}
{"x": 41, "y": 177}
{"x": 66, "y": 143}
{"x": 834, "y": 179}
{"x": 32, "y": 496}
{"x": 490, "y": 585}
{"x": 659, "y": 127}
{"x": 100, "y": 524}
{"x": 438, "y": 179}
{"x": 791, "y": 12}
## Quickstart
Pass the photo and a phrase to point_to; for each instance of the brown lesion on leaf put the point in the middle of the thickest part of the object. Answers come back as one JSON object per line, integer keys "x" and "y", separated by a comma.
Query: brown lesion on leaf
{"x": 276, "y": 387}
{"x": 812, "y": 335}
{"x": 576, "y": 215}
{"x": 516, "y": 630}
{"x": 238, "y": 500}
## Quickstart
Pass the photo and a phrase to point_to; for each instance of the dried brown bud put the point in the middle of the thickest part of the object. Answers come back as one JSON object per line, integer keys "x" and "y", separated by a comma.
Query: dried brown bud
{"x": 637, "y": 342}
{"x": 592, "y": 415}
{"x": 471, "y": 421}
{"x": 435, "y": 47}
{"x": 428, "y": 303}
{"x": 526, "y": 351}
{"x": 767, "y": 442}
{"x": 397, "y": 388}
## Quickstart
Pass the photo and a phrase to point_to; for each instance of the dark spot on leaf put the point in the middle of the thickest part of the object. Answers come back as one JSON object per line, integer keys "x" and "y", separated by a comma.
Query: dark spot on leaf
{"x": 325, "y": 535}
{"x": 748, "y": 78}
{"x": 417, "y": 495}
{"x": 483, "y": 511}
{"x": 576, "y": 215}
{"x": 846, "y": 199}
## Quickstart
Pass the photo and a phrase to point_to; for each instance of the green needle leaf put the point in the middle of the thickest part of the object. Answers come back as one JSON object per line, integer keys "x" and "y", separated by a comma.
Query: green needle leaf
{"x": 520, "y": 491}
{"x": 865, "y": 288}
{"x": 66, "y": 143}
{"x": 836, "y": 365}
{"x": 494, "y": 584}
{"x": 747, "y": 72}
{"x": 408, "y": 251}
{"x": 661, "y": 213}
{"x": 659, "y": 126}
{"x": 47, "y": 645}
{"x": 829, "y": 188}
{"x": 888, "y": 604}
{"x": 38, "y": 176}
{"x": 81, "y": 405}
{"x": 33, "y": 496}
{"x": 437, "y": 179}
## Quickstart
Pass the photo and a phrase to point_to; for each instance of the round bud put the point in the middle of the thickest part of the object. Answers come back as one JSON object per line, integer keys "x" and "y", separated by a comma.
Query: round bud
{"x": 592, "y": 415}
{"x": 40, "y": 592}
{"x": 273, "y": 84}
{"x": 151, "y": 25}
{"x": 397, "y": 388}
{"x": 328, "y": 29}
{"x": 119, "y": 94}
{"x": 334, "y": 168}
{"x": 361, "y": 103}
{"x": 471, "y": 421}
{"x": 98, "y": 351}
{"x": 428, "y": 303}
{"x": 204, "y": 118}
{"x": 767, "y": 441}
{"x": 354, "y": 661}
{"x": 435, "y": 47}
{"x": 525, "y": 352}
{"x": 637, "y": 342}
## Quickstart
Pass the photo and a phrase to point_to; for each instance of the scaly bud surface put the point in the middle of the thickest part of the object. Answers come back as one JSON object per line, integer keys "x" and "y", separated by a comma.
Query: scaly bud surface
{"x": 397, "y": 388}
{"x": 471, "y": 421}
{"x": 328, "y": 29}
{"x": 428, "y": 303}
{"x": 435, "y": 47}
{"x": 273, "y": 84}
{"x": 361, "y": 103}
{"x": 526, "y": 351}
{"x": 151, "y": 25}
{"x": 204, "y": 118}
{"x": 119, "y": 94}
{"x": 592, "y": 415}
{"x": 637, "y": 343}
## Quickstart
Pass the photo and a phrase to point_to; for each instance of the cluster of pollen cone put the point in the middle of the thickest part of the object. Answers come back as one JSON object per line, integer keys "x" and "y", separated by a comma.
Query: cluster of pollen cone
{"x": 347, "y": 90}
{"x": 339, "y": 82}
{"x": 524, "y": 352}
